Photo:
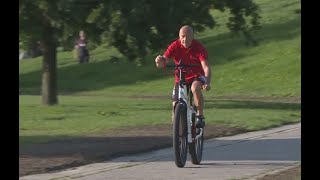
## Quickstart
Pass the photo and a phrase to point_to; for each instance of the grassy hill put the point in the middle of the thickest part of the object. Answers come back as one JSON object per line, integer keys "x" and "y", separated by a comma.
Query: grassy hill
{"x": 92, "y": 97}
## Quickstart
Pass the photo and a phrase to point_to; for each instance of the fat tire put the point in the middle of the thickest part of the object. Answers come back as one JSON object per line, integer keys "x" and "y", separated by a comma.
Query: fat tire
{"x": 180, "y": 144}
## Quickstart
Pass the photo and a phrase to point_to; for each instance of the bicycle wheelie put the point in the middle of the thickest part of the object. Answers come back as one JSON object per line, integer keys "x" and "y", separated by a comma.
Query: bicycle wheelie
{"x": 192, "y": 75}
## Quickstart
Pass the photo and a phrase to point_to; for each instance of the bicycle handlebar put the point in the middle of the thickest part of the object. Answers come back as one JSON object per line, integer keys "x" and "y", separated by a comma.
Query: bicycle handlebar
{"x": 181, "y": 65}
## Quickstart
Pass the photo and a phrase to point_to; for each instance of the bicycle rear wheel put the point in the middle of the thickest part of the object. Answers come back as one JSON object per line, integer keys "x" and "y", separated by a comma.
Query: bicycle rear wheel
{"x": 196, "y": 147}
{"x": 180, "y": 135}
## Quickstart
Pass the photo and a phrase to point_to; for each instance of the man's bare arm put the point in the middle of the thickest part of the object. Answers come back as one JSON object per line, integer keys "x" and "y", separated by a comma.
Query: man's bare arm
{"x": 207, "y": 73}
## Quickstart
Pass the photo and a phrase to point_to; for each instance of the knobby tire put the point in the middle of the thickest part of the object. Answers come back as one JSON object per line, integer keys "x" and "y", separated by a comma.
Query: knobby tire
{"x": 180, "y": 143}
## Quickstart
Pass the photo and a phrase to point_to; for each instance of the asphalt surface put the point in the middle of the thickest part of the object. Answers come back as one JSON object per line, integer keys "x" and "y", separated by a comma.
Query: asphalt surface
{"x": 244, "y": 156}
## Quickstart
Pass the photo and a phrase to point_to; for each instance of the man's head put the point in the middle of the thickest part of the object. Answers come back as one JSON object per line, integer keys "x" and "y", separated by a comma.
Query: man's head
{"x": 186, "y": 35}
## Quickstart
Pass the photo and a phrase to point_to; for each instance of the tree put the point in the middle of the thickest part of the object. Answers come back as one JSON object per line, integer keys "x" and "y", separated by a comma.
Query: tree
{"x": 48, "y": 21}
{"x": 141, "y": 26}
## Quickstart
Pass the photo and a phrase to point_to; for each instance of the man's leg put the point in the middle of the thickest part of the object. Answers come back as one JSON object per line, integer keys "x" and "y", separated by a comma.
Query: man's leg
{"x": 198, "y": 101}
{"x": 86, "y": 59}
{"x": 86, "y": 56}
{"x": 197, "y": 96}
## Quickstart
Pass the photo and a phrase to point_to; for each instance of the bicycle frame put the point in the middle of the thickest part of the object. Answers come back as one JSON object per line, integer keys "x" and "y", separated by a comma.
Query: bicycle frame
{"x": 183, "y": 98}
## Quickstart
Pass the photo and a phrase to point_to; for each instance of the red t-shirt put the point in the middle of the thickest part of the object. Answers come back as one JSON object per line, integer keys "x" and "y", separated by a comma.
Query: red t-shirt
{"x": 192, "y": 55}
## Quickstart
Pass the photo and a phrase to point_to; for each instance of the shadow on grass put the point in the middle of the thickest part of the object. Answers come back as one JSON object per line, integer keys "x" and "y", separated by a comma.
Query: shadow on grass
{"x": 237, "y": 104}
{"x": 99, "y": 75}
{"x": 223, "y": 48}
{"x": 85, "y": 146}
{"x": 91, "y": 76}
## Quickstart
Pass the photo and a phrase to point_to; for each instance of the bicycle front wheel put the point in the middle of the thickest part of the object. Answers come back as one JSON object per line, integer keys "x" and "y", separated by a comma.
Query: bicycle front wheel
{"x": 180, "y": 135}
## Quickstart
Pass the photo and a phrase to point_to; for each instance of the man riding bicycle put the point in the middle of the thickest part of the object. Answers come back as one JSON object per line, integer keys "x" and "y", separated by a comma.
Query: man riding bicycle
{"x": 189, "y": 51}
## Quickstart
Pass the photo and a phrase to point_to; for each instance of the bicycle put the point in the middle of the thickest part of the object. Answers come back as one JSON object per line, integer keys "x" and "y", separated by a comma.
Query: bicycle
{"x": 185, "y": 133}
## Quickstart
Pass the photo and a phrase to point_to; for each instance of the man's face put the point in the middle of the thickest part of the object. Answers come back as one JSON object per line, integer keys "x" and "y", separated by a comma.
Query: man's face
{"x": 185, "y": 37}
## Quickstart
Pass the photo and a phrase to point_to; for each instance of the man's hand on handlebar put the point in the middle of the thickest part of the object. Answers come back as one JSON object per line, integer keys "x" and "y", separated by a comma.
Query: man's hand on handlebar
{"x": 160, "y": 61}
{"x": 206, "y": 87}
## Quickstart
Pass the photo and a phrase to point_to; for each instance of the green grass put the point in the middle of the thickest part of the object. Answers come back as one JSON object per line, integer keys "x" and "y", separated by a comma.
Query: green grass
{"x": 85, "y": 115}
{"x": 94, "y": 97}
{"x": 79, "y": 115}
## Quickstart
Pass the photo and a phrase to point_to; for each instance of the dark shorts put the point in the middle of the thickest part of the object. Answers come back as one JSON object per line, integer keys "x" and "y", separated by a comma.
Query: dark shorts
{"x": 175, "y": 90}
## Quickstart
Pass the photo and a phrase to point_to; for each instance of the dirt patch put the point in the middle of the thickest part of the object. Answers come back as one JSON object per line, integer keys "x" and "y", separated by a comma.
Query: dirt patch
{"x": 289, "y": 174}
{"x": 73, "y": 152}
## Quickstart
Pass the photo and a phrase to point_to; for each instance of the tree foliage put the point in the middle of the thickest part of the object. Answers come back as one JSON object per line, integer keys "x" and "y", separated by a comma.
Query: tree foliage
{"x": 244, "y": 17}
{"x": 142, "y": 26}
{"x": 66, "y": 17}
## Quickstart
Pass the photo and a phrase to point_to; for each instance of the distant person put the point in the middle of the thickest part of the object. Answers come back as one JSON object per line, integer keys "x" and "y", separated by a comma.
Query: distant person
{"x": 82, "y": 51}
{"x": 189, "y": 51}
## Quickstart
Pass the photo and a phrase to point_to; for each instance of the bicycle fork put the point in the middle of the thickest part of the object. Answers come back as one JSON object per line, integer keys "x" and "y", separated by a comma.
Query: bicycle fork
{"x": 190, "y": 110}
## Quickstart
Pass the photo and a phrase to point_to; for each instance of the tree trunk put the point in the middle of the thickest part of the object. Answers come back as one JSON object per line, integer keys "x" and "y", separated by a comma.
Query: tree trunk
{"x": 49, "y": 68}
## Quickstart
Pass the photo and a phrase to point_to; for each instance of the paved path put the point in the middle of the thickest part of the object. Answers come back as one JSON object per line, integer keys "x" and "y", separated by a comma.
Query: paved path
{"x": 245, "y": 156}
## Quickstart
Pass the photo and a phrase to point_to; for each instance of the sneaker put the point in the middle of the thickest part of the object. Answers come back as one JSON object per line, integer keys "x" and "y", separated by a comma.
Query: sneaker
{"x": 200, "y": 121}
